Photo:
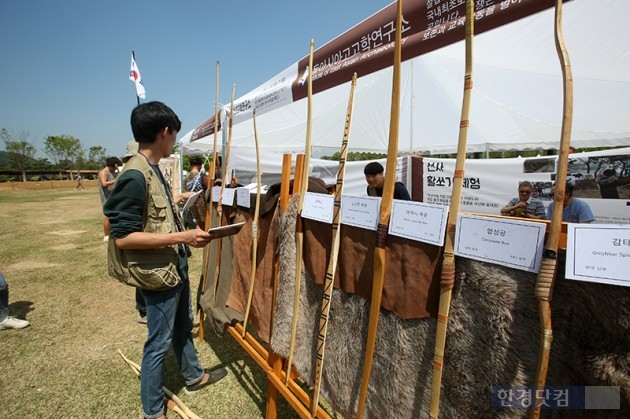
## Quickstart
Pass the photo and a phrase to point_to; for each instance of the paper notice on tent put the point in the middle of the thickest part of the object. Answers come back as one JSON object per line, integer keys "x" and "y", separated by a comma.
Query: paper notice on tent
{"x": 216, "y": 191}
{"x": 242, "y": 197}
{"x": 418, "y": 221}
{"x": 318, "y": 207}
{"x": 360, "y": 211}
{"x": 598, "y": 253}
{"x": 228, "y": 196}
{"x": 503, "y": 241}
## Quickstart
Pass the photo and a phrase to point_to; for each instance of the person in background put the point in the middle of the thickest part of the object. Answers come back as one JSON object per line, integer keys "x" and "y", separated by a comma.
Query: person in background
{"x": 607, "y": 182}
{"x": 141, "y": 229}
{"x": 524, "y": 205}
{"x": 196, "y": 181}
{"x": 6, "y": 321}
{"x": 374, "y": 177}
{"x": 80, "y": 182}
{"x": 106, "y": 179}
{"x": 574, "y": 210}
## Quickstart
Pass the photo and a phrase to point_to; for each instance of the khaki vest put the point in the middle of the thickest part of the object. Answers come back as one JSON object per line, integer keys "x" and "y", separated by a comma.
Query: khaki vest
{"x": 152, "y": 269}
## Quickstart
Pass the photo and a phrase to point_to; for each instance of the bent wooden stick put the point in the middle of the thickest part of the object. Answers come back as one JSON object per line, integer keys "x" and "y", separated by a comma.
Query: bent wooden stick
{"x": 211, "y": 179}
{"x": 179, "y": 407}
{"x": 217, "y": 268}
{"x": 447, "y": 281}
{"x": 334, "y": 253}
{"x": 549, "y": 264}
{"x": 385, "y": 212}
{"x": 299, "y": 236}
{"x": 254, "y": 250}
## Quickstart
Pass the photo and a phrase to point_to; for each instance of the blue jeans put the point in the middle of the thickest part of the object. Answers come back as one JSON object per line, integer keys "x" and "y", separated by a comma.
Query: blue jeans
{"x": 170, "y": 322}
{"x": 4, "y": 298}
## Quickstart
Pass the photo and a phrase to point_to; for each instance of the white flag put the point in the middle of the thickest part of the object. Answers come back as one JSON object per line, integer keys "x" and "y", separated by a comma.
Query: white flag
{"x": 134, "y": 76}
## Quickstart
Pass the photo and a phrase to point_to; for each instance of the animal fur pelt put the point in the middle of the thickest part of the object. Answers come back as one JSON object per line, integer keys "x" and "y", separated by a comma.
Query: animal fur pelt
{"x": 492, "y": 339}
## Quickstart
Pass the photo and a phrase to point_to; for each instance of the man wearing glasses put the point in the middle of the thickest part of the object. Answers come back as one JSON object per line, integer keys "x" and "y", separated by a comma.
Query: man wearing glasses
{"x": 525, "y": 205}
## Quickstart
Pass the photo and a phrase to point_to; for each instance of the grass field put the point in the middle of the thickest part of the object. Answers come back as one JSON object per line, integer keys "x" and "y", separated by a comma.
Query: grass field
{"x": 65, "y": 364}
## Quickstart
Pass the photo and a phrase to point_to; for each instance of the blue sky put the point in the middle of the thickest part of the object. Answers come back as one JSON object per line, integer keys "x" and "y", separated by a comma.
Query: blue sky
{"x": 65, "y": 64}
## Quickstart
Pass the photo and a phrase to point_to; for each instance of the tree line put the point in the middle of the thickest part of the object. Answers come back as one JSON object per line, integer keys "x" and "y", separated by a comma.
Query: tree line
{"x": 65, "y": 153}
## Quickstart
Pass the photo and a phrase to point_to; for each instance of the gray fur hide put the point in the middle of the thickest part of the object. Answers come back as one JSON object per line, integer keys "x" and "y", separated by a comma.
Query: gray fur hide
{"x": 492, "y": 339}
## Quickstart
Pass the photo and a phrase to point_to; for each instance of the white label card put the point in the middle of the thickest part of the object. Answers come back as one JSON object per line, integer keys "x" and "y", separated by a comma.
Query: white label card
{"x": 598, "y": 253}
{"x": 508, "y": 242}
{"x": 360, "y": 211}
{"x": 228, "y": 196}
{"x": 216, "y": 190}
{"x": 242, "y": 197}
{"x": 418, "y": 221}
{"x": 318, "y": 207}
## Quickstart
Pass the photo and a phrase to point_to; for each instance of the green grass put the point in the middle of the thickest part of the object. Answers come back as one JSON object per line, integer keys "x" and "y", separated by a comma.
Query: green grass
{"x": 65, "y": 364}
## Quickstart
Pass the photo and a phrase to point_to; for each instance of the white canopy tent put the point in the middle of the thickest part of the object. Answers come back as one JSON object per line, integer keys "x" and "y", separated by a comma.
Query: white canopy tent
{"x": 517, "y": 94}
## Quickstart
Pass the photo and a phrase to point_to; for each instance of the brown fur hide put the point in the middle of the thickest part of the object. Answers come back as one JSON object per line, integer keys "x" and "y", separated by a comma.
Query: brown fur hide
{"x": 492, "y": 339}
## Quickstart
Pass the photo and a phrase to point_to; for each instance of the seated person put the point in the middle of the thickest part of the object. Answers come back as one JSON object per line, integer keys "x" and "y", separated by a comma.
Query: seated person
{"x": 374, "y": 177}
{"x": 525, "y": 205}
{"x": 574, "y": 210}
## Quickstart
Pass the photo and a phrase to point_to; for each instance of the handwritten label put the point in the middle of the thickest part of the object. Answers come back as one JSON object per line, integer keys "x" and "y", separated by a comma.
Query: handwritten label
{"x": 318, "y": 207}
{"x": 216, "y": 190}
{"x": 598, "y": 253}
{"x": 242, "y": 197}
{"x": 418, "y": 221}
{"x": 513, "y": 243}
{"x": 360, "y": 211}
{"x": 228, "y": 196}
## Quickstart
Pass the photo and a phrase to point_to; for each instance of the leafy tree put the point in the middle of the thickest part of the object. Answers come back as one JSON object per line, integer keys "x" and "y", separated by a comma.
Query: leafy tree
{"x": 64, "y": 151}
{"x": 20, "y": 149}
{"x": 96, "y": 157}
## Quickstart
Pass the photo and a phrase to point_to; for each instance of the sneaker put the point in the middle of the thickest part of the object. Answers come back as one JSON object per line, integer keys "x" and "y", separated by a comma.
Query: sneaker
{"x": 214, "y": 376}
{"x": 13, "y": 323}
{"x": 142, "y": 319}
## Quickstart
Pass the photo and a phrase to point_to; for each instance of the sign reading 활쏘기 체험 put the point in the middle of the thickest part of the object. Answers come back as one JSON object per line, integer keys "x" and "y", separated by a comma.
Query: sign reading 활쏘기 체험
{"x": 360, "y": 211}
{"x": 418, "y": 221}
{"x": 598, "y": 253}
{"x": 503, "y": 241}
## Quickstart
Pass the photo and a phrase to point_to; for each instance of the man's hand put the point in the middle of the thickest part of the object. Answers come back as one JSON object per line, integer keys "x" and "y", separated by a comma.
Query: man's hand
{"x": 197, "y": 237}
{"x": 181, "y": 198}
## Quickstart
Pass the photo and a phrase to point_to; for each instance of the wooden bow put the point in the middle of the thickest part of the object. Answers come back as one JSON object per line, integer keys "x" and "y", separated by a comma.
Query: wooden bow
{"x": 299, "y": 237}
{"x": 211, "y": 179}
{"x": 447, "y": 281}
{"x": 384, "y": 215}
{"x": 549, "y": 264}
{"x": 217, "y": 268}
{"x": 254, "y": 227}
{"x": 334, "y": 253}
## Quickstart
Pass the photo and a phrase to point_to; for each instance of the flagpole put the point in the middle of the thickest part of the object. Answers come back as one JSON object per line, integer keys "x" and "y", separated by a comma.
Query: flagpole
{"x": 133, "y": 55}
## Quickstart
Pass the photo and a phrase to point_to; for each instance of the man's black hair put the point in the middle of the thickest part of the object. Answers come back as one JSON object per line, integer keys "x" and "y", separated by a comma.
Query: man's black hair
{"x": 373, "y": 168}
{"x": 195, "y": 161}
{"x": 149, "y": 119}
{"x": 568, "y": 188}
{"x": 113, "y": 161}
